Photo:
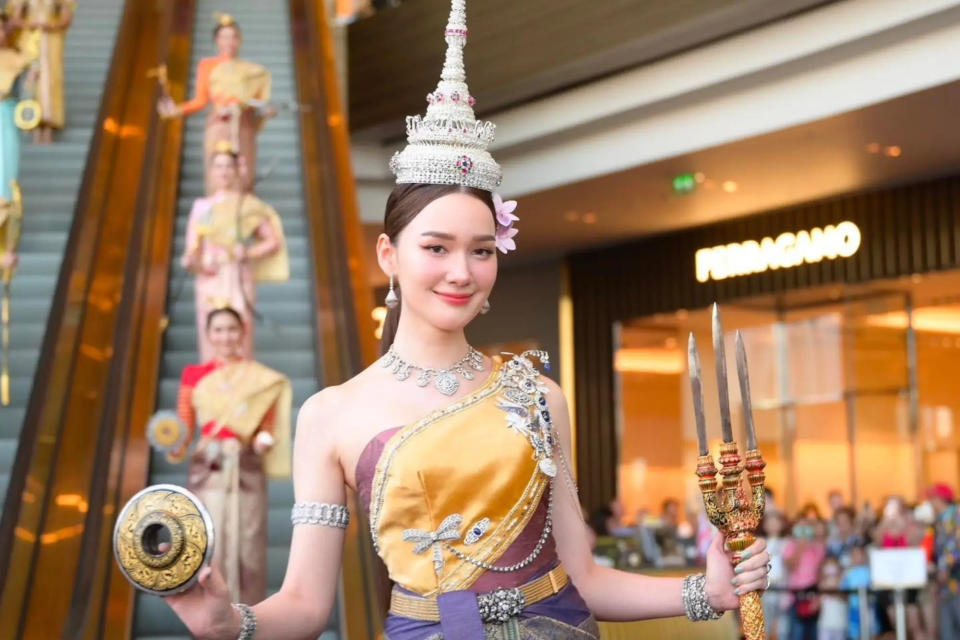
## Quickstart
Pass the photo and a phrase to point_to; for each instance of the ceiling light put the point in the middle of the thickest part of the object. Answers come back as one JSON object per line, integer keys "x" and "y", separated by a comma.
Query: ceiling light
{"x": 893, "y": 151}
{"x": 729, "y": 186}
{"x": 589, "y": 218}
{"x": 873, "y": 147}
{"x": 925, "y": 319}
{"x": 699, "y": 176}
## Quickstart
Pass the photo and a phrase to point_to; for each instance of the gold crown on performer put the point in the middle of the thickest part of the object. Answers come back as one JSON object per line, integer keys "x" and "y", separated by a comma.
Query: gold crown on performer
{"x": 224, "y": 146}
{"x": 220, "y": 304}
{"x": 225, "y": 19}
{"x": 448, "y": 145}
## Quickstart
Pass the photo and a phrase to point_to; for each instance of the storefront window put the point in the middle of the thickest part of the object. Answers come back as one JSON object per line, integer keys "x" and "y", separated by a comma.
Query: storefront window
{"x": 853, "y": 395}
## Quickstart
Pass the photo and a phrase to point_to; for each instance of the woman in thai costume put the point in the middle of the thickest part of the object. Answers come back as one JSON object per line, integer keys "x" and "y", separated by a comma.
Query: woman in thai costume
{"x": 240, "y": 93}
{"x": 49, "y": 20}
{"x": 462, "y": 461}
{"x": 243, "y": 409}
{"x": 13, "y": 63}
{"x": 234, "y": 240}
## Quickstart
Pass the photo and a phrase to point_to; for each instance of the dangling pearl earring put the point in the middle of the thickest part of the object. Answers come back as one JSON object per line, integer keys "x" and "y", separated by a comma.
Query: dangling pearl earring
{"x": 392, "y": 301}
{"x": 485, "y": 307}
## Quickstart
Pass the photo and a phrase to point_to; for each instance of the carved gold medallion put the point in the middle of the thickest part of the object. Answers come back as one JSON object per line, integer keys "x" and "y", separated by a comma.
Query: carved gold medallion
{"x": 163, "y": 537}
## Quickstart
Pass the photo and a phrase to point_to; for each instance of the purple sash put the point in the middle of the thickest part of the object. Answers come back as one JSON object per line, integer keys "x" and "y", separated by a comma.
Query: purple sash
{"x": 460, "y": 619}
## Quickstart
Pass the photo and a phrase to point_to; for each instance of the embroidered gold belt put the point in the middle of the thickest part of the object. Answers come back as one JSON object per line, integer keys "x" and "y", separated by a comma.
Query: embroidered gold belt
{"x": 496, "y": 606}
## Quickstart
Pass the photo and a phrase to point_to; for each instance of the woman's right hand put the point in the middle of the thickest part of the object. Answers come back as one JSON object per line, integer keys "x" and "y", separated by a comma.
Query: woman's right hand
{"x": 167, "y": 108}
{"x": 8, "y": 260}
{"x": 205, "y": 608}
{"x": 178, "y": 455}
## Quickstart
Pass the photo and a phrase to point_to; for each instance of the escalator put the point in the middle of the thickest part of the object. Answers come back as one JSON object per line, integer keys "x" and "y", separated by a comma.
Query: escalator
{"x": 50, "y": 179}
{"x": 105, "y": 365}
{"x": 285, "y": 341}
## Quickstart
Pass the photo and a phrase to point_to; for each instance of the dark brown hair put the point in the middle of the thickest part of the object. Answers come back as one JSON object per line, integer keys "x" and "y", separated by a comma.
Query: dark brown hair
{"x": 233, "y": 155}
{"x": 228, "y": 25}
{"x": 403, "y": 205}
{"x": 225, "y": 310}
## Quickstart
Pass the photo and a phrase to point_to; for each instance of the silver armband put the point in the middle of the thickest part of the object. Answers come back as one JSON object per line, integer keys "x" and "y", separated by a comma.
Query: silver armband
{"x": 695, "y": 603}
{"x": 320, "y": 513}
{"x": 248, "y": 623}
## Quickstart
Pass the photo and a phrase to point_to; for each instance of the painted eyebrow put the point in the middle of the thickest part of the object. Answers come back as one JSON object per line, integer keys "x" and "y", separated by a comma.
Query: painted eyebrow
{"x": 446, "y": 236}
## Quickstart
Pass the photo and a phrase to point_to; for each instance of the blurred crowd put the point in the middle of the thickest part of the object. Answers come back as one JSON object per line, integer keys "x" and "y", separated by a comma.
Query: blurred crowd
{"x": 821, "y": 562}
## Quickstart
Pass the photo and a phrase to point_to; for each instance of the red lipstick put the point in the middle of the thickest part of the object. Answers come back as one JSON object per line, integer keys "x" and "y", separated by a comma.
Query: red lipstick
{"x": 458, "y": 299}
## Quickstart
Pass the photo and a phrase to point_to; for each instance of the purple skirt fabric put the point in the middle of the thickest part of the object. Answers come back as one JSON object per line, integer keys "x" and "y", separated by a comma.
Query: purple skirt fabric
{"x": 562, "y": 616}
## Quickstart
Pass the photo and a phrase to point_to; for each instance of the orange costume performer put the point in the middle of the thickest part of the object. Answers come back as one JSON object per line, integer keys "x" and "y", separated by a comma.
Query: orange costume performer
{"x": 235, "y": 403}
{"x": 237, "y": 88}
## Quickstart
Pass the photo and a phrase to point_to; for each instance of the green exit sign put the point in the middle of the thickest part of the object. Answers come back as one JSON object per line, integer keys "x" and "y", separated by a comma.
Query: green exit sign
{"x": 684, "y": 183}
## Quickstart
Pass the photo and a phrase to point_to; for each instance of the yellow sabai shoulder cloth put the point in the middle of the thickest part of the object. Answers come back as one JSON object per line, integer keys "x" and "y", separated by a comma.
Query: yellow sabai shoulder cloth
{"x": 240, "y": 79}
{"x": 228, "y": 221}
{"x": 12, "y": 64}
{"x": 238, "y": 396}
{"x": 463, "y": 481}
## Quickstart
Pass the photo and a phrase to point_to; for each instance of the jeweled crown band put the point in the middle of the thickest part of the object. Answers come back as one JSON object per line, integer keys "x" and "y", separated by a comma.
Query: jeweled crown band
{"x": 320, "y": 513}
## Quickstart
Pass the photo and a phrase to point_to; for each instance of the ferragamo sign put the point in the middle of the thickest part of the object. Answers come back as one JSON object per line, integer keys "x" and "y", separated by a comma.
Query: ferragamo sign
{"x": 786, "y": 250}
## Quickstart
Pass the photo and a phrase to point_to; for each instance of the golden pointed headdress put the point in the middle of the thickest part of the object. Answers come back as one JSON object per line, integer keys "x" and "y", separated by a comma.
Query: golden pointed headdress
{"x": 448, "y": 145}
{"x": 225, "y": 19}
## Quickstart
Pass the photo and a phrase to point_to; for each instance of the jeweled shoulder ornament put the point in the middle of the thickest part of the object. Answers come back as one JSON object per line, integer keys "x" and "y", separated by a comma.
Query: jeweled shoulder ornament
{"x": 163, "y": 537}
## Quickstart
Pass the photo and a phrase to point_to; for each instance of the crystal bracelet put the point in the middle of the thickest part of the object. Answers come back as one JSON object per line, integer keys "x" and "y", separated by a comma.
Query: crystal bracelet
{"x": 695, "y": 603}
{"x": 248, "y": 624}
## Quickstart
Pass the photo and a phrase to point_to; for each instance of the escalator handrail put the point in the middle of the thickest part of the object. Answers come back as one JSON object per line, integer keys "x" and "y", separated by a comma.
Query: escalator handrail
{"x": 343, "y": 299}
{"x": 73, "y": 276}
{"x": 103, "y": 603}
{"x": 124, "y": 142}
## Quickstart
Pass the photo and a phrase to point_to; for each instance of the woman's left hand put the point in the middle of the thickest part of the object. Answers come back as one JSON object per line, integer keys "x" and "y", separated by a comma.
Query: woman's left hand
{"x": 262, "y": 443}
{"x": 726, "y": 583}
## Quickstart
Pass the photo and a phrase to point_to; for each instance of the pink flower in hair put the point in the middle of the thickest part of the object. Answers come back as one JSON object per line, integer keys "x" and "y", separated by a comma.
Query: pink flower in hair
{"x": 504, "y": 210}
{"x": 505, "y": 219}
{"x": 505, "y": 240}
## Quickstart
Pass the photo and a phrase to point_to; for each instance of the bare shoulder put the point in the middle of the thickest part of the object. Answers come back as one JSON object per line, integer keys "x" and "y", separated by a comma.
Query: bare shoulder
{"x": 556, "y": 399}
{"x": 329, "y": 410}
{"x": 321, "y": 404}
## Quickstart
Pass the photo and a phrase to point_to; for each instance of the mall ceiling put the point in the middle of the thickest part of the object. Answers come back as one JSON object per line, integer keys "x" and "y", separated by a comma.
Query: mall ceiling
{"x": 524, "y": 50}
{"x": 850, "y": 152}
{"x": 900, "y": 140}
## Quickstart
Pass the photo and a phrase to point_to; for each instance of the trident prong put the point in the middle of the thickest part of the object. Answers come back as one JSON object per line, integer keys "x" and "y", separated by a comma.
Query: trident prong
{"x": 727, "y": 506}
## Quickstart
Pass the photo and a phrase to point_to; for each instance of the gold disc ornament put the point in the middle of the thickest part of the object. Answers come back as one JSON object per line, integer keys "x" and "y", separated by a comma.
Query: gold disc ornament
{"x": 163, "y": 537}
{"x": 26, "y": 115}
{"x": 165, "y": 431}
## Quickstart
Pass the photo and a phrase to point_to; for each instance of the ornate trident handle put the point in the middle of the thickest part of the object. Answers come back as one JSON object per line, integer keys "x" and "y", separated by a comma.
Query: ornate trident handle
{"x": 727, "y": 505}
